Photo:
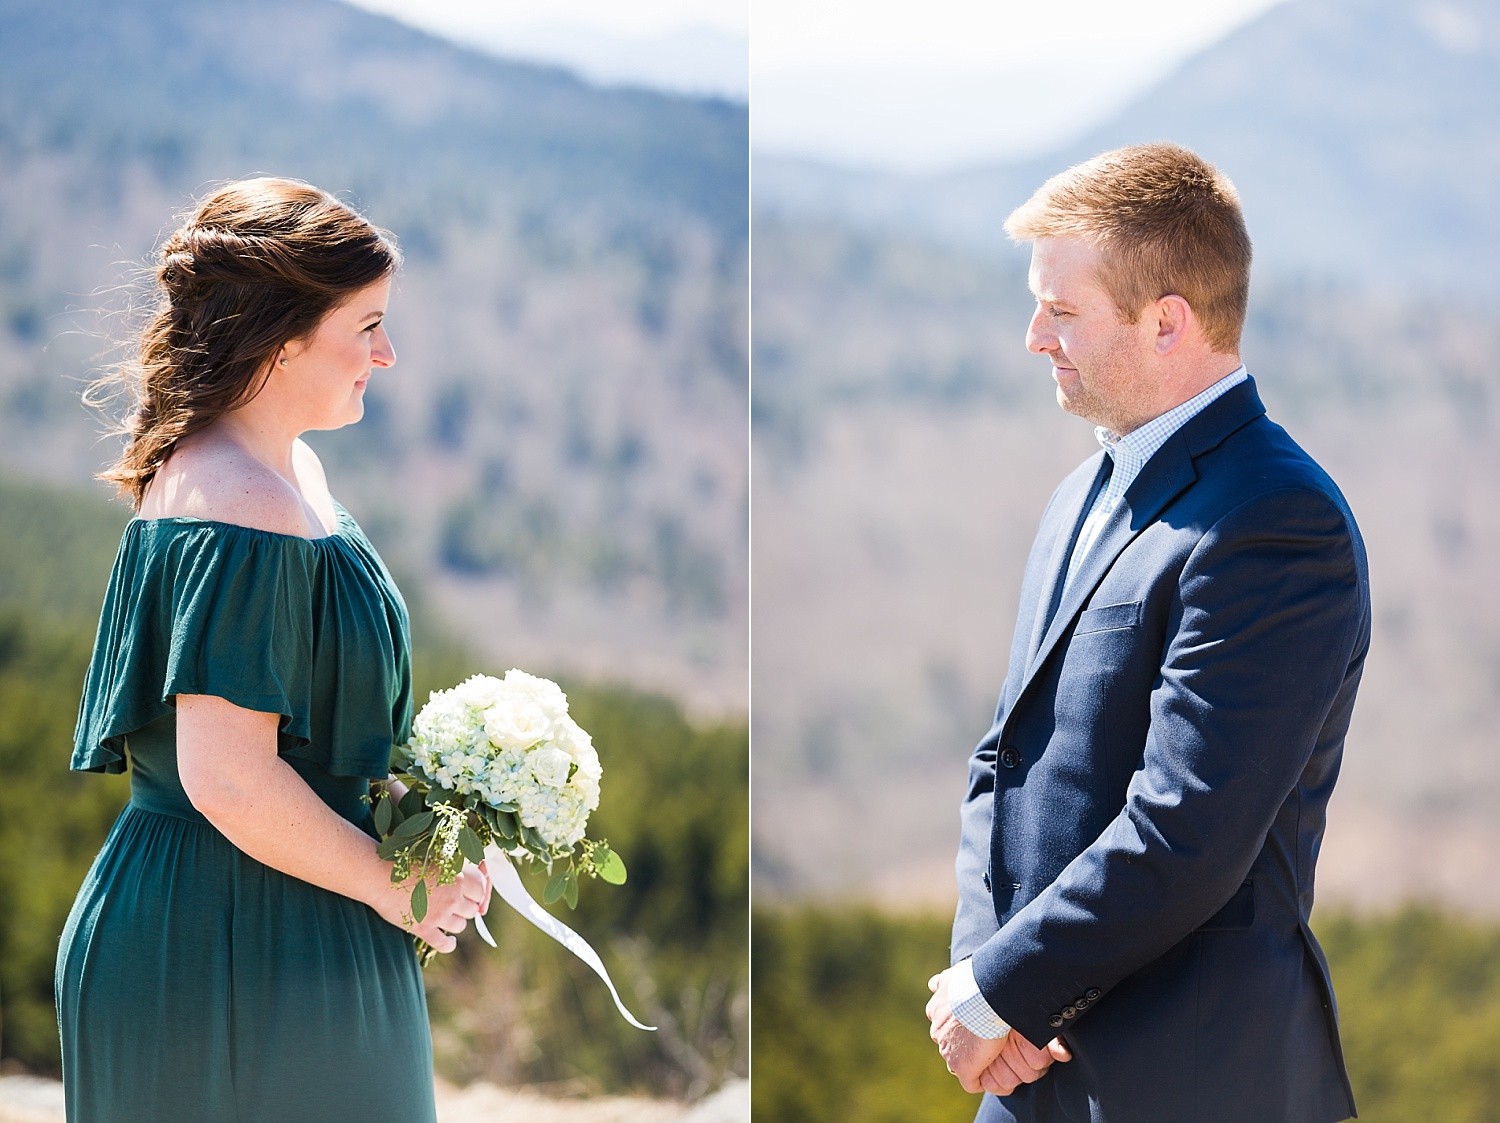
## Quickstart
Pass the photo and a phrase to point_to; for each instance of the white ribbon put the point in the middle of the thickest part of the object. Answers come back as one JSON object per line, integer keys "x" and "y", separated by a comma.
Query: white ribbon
{"x": 508, "y": 888}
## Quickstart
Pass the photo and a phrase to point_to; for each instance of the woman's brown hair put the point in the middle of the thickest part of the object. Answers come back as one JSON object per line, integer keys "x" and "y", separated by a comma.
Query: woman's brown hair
{"x": 258, "y": 263}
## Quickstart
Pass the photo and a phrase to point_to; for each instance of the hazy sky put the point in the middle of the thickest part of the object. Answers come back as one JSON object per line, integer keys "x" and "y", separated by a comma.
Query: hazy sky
{"x": 694, "y": 46}
{"x": 911, "y": 85}
{"x": 936, "y": 84}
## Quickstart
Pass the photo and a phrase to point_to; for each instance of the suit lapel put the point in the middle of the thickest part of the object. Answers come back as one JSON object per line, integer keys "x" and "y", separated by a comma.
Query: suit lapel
{"x": 1065, "y": 525}
{"x": 1168, "y": 473}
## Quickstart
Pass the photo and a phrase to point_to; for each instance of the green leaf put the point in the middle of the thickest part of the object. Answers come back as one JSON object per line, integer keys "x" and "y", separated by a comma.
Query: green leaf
{"x": 556, "y": 885}
{"x": 383, "y": 813}
{"x": 416, "y": 825}
{"x": 470, "y": 845}
{"x": 608, "y": 866}
{"x": 411, "y": 803}
{"x": 571, "y": 892}
{"x": 390, "y": 848}
{"x": 419, "y": 902}
{"x": 504, "y": 824}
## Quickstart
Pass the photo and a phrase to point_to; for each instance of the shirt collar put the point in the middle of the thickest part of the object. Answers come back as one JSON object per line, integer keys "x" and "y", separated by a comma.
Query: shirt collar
{"x": 1131, "y": 451}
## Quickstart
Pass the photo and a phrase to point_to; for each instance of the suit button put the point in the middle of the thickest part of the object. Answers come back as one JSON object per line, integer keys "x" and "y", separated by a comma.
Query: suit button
{"x": 987, "y": 882}
{"x": 1009, "y": 757}
{"x": 1093, "y": 994}
{"x": 1055, "y": 1021}
{"x": 1081, "y": 1002}
{"x": 1070, "y": 1012}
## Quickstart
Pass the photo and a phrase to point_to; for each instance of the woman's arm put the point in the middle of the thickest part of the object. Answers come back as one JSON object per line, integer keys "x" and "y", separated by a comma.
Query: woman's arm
{"x": 226, "y": 756}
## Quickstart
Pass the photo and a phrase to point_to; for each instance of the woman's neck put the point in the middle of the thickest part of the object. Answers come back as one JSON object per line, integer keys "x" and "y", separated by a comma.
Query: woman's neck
{"x": 262, "y": 435}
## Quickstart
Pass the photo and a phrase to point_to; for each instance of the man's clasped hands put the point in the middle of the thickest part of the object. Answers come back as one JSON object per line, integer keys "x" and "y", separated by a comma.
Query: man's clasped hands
{"x": 998, "y": 1066}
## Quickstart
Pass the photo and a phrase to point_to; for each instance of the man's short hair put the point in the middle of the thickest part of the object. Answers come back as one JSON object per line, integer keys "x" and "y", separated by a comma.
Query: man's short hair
{"x": 1165, "y": 222}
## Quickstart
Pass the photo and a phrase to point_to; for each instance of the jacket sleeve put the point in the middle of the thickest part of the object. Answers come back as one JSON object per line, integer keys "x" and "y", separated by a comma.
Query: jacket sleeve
{"x": 1271, "y": 613}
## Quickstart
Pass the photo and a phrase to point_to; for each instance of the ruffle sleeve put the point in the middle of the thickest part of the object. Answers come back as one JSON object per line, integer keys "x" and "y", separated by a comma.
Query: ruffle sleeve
{"x": 312, "y": 630}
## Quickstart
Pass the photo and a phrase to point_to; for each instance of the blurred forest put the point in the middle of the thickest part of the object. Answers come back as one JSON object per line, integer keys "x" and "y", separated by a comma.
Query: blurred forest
{"x": 839, "y": 1032}
{"x": 675, "y": 804}
{"x": 560, "y": 453}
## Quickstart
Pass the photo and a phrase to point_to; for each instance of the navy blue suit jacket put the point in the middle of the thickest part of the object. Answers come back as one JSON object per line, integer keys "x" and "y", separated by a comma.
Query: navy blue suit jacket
{"x": 1143, "y": 819}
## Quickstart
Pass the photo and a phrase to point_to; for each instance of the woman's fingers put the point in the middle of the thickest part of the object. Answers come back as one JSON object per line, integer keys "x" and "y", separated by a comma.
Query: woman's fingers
{"x": 489, "y": 888}
{"x": 435, "y": 938}
{"x": 450, "y": 907}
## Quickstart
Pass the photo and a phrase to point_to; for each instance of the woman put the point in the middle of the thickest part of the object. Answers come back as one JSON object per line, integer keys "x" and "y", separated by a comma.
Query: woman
{"x": 237, "y": 951}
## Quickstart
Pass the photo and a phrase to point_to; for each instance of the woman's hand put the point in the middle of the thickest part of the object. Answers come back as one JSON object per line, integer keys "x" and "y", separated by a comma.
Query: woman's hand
{"x": 449, "y": 907}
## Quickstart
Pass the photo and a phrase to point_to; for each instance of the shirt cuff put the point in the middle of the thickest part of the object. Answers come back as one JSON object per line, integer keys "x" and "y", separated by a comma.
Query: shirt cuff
{"x": 969, "y": 1006}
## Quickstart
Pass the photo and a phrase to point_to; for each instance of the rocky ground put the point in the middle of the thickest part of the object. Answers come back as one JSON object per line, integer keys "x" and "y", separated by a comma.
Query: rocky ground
{"x": 30, "y": 1099}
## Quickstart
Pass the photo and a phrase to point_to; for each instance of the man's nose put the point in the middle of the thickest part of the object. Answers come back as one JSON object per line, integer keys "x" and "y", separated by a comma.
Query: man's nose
{"x": 1040, "y": 337}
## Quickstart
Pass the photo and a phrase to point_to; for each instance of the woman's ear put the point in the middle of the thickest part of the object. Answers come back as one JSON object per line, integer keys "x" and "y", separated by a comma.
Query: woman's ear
{"x": 289, "y": 352}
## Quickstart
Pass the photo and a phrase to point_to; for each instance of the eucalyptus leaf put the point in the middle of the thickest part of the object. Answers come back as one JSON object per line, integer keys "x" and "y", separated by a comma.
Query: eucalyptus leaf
{"x": 470, "y": 845}
{"x": 608, "y": 866}
{"x": 383, "y": 814}
{"x": 411, "y": 828}
{"x": 390, "y": 848}
{"x": 419, "y": 902}
{"x": 556, "y": 885}
{"x": 411, "y": 803}
{"x": 444, "y": 795}
{"x": 571, "y": 891}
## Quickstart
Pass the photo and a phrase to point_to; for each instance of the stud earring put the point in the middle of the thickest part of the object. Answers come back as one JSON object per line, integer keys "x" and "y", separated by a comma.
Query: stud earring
{"x": 283, "y": 361}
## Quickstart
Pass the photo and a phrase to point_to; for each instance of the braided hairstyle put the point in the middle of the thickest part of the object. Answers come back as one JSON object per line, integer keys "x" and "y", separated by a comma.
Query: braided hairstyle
{"x": 258, "y": 263}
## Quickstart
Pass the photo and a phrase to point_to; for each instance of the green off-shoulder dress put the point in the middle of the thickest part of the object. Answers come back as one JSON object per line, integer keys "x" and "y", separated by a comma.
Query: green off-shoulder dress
{"x": 195, "y": 984}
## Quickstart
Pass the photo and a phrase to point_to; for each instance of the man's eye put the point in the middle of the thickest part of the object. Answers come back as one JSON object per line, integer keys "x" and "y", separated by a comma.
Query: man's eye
{"x": 1057, "y": 313}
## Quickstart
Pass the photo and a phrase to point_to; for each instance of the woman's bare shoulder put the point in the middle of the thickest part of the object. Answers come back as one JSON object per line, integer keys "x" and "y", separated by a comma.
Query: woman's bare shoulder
{"x": 216, "y": 480}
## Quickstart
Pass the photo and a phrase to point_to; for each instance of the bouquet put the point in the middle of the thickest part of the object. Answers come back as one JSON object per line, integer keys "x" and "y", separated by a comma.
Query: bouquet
{"x": 495, "y": 764}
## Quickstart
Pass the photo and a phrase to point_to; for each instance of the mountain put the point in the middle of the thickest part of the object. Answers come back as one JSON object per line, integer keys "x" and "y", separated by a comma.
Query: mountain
{"x": 1360, "y": 134}
{"x": 560, "y": 453}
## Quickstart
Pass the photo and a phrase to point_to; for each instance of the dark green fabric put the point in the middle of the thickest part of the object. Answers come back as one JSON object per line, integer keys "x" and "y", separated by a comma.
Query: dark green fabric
{"x": 194, "y": 983}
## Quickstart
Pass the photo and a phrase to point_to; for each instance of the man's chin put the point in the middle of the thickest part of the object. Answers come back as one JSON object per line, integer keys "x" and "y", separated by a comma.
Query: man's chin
{"x": 1071, "y": 404}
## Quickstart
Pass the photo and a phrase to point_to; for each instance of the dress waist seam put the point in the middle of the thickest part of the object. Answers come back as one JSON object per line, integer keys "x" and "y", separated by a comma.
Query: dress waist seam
{"x": 187, "y": 815}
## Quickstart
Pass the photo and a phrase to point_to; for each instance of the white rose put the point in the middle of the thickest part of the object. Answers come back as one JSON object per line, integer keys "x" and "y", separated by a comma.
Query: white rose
{"x": 516, "y": 723}
{"x": 543, "y": 692}
{"x": 573, "y": 740}
{"x": 549, "y": 766}
{"x": 479, "y": 691}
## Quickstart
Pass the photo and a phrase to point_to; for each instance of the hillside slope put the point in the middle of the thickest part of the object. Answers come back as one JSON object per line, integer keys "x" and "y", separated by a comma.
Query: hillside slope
{"x": 560, "y": 452}
{"x": 1361, "y": 134}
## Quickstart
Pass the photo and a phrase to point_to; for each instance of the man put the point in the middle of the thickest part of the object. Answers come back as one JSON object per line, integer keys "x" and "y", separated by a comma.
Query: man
{"x": 1142, "y": 821}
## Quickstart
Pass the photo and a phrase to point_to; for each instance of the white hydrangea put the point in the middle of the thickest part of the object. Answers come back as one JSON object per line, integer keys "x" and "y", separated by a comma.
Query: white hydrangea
{"x": 512, "y": 742}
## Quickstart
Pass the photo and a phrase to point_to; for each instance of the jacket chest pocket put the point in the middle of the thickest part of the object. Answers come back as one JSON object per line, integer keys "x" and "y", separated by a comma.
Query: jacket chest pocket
{"x": 1108, "y": 618}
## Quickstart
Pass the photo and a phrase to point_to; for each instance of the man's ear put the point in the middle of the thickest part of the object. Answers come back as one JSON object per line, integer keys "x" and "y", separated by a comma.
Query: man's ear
{"x": 1174, "y": 316}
